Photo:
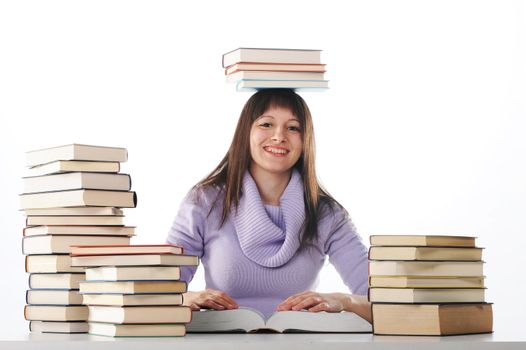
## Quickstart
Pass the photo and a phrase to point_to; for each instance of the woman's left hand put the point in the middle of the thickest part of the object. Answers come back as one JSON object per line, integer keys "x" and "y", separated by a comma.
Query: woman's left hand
{"x": 314, "y": 302}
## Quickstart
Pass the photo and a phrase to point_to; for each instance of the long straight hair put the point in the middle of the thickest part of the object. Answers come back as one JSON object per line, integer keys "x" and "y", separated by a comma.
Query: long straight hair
{"x": 228, "y": 175}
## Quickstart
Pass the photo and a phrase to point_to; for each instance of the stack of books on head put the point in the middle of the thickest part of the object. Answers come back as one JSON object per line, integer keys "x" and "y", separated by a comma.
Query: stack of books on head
{"x": 73, "y": 195}
{"x": 427, "y": 285}
{"x": 256, "y": 68}
{"x": 134, "y": 290}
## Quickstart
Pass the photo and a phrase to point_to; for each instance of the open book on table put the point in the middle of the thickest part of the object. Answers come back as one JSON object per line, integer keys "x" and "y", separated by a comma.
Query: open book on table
{"x": 251, "y": 320}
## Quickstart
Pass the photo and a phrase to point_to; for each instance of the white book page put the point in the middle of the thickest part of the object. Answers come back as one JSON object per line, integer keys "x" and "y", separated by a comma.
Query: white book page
{"x": 346, "y": 322}
{"x": 244, "y": 319}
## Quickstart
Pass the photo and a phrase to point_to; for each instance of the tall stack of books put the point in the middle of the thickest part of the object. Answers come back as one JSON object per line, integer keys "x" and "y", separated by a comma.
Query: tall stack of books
{"x": 134, "y": 290}
{"x": 256, "y": 68}
{"x": 73, "y": 194}
{"x": 427, "y": 285}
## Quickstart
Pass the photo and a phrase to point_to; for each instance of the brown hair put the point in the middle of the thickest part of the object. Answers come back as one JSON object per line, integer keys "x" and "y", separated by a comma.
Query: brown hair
{"x": 228, "y": 175}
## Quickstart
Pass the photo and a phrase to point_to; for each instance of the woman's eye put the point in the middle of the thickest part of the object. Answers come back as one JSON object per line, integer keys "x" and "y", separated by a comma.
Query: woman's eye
{"x": 294, "y": 128}
{"x": 265, "y": 125}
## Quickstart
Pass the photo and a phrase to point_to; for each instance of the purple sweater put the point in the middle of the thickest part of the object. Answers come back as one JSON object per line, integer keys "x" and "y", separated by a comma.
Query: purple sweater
{"x": 254, "y": 256}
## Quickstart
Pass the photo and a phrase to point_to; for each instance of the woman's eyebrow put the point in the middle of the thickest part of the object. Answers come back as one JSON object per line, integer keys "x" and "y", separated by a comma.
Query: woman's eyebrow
{"x": 266, "y": 115}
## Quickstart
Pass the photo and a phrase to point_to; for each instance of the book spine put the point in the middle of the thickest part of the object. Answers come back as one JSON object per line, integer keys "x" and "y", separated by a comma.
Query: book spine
{"x": 25, "y": 312}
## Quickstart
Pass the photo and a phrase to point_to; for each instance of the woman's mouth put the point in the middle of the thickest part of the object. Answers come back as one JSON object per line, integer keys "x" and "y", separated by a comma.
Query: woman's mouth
{"x": 276, "y": 151}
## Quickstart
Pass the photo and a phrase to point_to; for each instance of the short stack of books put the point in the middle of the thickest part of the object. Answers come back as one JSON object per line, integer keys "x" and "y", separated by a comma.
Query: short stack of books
{"x": 427, "y": 285}
{"x": 134, "y": 290}
{"x": 256, "y": 68}
{"x": 73, "y": 194}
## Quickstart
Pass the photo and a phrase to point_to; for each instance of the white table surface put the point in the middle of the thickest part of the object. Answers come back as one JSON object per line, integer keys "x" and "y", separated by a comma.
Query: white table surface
{"x": 36, "y": 341}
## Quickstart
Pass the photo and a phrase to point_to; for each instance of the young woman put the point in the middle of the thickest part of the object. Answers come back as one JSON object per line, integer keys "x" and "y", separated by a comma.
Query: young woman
{"x": 263, "y": 226}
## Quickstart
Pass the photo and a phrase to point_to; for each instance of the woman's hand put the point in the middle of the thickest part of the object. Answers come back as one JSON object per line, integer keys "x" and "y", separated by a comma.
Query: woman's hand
{"x": 314, "y": 302}
{"x": 330, "y": 302}
{"x": 209, "y": 299}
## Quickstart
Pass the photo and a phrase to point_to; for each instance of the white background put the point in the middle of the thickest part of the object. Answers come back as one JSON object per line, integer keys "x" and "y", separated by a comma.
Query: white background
{"x": 422, "y": 131}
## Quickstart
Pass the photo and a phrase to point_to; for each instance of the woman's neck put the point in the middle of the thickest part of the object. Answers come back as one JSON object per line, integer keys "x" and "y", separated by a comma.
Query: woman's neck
{"x": 270, "y": 185}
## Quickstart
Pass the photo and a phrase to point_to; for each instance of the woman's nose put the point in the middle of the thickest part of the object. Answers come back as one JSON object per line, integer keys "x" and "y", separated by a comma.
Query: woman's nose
{"x": 278, "y": 136}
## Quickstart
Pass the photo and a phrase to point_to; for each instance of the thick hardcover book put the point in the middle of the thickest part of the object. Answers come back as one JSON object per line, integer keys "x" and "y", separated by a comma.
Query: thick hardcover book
{"x": 64, "y": 166}
{"x": 140, "y": 314}
{"x": 426, "y": 295}
{"x": 422, "y": 240}
{"x": 132, "y": 287}
{"x": 77, "y": 180}
{"x": 75, "y": 211}
{"x": 432, "y": 319}
{"x": 246, "y": 54}
{"x": 137, "y": 330}
{"x": 76, "y": 152}
{"x": 133, "y": 273}
{"x": 426, "y": 281}
{"x": 126, "y": 249}
{"x": 70, "y": 230}
{"x": 135, "y": 260}
{"x": 425, "y": 268}
{"x": 133, "y": 299}
{"x": 51, "y": 244}
{"x": 58, "y": 327}
{"x": 53, "y": 297}
{"x": 275, "y": 67}
{"x": 91, "y": 220}
{"x": 425, "y": 253}
{"x": 251, "y": 320}
{"x": 274, "y": 75}
{"x": 252, "y": 84}
{"x": 55, "y": 313}
{"x": 78, "y": 198}
{"x": 60, "y": 263}
{"x": 55, "y": 280}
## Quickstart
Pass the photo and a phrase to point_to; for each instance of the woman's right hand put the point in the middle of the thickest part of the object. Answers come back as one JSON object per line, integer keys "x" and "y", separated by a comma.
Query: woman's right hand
{"x": 209, "y": 299}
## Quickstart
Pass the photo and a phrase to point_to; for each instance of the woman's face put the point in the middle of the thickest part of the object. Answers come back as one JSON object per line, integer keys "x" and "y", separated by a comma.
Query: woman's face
{"x": 275, "y": 141}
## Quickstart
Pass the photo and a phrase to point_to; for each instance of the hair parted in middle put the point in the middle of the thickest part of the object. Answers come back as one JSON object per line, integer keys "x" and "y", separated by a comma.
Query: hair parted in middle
{"x": 228, "y": 175}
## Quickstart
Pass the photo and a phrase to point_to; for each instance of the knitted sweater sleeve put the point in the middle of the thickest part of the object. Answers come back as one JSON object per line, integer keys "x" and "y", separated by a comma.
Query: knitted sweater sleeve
{"x": 347, "y": 252}
{"x": 188, "y": 230}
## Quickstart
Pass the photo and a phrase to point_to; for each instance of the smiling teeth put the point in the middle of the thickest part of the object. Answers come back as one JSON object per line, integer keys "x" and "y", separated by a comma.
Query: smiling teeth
{"x": 276, "y": 150}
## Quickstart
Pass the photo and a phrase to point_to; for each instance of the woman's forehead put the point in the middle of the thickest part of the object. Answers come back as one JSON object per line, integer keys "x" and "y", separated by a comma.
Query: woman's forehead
{"x": 278, "y": 112}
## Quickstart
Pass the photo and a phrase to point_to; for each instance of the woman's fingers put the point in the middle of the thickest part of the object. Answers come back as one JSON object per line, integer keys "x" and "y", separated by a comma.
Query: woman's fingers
{"x": 210, "y": 304}
{"x": 293, "y": 300}
{"x": 311, "y": 301}
{"x": 226, "y": 303}
{"x": 324, "y": 306}
{"x": 195, "y": 307}
{"x": 214, "y": 299}
{"x": 225, "y": 299}
{"x": 307, "y": 303}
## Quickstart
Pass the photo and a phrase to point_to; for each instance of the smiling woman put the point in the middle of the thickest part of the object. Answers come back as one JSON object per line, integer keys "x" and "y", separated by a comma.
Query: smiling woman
{"x": 275, "y": 144}
{"x": 262, "y": 224}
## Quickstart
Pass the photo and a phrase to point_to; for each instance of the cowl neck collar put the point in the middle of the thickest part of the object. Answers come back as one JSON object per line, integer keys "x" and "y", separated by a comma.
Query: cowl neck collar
{"x": 260, "y": 239}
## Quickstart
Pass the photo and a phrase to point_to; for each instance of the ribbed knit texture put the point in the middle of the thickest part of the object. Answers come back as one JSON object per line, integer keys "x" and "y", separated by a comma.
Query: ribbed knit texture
{"x": 275, "y": 214}
{"x": 260, "y": 239}
{"x": 254, "y": 256}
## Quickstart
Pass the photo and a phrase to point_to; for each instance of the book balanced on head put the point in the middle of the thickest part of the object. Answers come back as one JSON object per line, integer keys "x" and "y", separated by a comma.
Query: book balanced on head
{"x": 250, "y": 320}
